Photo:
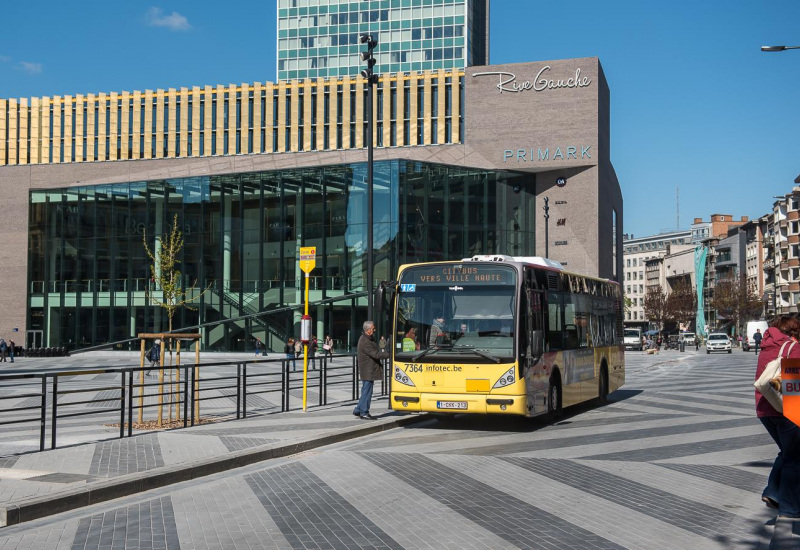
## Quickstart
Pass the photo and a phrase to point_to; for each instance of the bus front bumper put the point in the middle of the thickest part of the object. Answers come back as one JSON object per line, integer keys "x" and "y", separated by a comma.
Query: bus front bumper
{"x": 459, "y": 403}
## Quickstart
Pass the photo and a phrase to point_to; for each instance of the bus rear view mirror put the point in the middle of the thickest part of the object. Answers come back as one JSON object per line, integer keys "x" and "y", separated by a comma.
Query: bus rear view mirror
{"x": 537, "y": 343}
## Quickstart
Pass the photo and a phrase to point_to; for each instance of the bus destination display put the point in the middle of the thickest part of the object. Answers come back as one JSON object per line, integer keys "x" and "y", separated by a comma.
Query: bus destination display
{"x": 458, "y": 274}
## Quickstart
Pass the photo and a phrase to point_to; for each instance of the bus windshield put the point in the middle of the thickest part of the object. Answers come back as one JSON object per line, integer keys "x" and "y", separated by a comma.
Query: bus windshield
{"x": 466, "y": 314}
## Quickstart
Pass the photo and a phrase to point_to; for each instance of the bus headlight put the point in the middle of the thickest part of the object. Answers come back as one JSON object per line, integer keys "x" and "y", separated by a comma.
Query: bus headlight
{"x": 402, "y": 378}
{"x": 507, "y": 379}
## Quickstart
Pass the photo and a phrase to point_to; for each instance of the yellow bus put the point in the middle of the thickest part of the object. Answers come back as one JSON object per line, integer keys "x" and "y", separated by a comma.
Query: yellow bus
{"x": 503, "y": 335}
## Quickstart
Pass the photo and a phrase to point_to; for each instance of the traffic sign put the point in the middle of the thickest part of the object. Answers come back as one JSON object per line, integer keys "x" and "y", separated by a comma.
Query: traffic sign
{"x": 790, "y": 388}
{"x": 308, "y": 258}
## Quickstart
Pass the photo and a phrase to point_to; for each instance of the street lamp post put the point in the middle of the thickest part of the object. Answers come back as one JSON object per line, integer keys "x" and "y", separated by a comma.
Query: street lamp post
{"x": 546, "y": 227}
{"x": 778, "y": 48}
{"x": 371, "y": 78}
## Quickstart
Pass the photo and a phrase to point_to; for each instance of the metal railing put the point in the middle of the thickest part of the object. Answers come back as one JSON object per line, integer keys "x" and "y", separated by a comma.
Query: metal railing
{"x": 221, "y": 390}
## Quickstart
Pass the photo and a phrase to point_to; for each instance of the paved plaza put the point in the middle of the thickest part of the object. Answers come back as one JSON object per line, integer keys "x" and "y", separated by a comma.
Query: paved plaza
{"x": 676, "y": 460}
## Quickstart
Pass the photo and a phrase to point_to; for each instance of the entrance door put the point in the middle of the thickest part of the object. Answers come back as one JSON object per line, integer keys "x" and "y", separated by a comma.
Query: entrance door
{"x": 33, "y": 339}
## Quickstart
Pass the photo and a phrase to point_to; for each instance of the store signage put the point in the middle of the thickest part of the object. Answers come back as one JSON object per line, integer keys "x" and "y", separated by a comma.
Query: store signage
{"x": 542, "y": 155}
{"x": 561, "y": 182}
{"x": 561, "y": 202}
{"x": 507, "y": 82}
{"x": 561, "y": 221}
{"x": 560, "y": 243}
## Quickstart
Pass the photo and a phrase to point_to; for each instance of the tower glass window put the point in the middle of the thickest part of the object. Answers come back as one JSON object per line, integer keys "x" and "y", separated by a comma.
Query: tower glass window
{"x": 320, "y": 39}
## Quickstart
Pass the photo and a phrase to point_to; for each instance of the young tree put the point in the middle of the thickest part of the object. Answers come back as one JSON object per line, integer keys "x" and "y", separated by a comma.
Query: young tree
{"x": 169, "y": 281}
{"x": 655, "y": 306}
{"x": 735, "y": 300}
{"x": 166, "y": 275}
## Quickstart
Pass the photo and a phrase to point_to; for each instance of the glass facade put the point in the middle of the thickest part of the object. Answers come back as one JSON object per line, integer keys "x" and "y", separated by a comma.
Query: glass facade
{"x": 320, "y": 38}
{"x": 89, "y": 274}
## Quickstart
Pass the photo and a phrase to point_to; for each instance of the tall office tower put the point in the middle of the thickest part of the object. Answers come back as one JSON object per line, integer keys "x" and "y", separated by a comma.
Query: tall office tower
{"x": 320, "y": 38}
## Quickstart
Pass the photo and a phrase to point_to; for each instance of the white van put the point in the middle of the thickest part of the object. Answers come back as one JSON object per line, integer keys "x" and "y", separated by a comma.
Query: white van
{"x": 633, "y": 339}
{"x": 686, "y": 337}
{"x": 752, "y": 326}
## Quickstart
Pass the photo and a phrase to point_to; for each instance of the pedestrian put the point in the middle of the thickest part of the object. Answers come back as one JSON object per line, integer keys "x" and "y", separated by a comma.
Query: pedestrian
{"x": 3, "y": 350}
{"x": 783, "y": 485}
{"x": 436, "y": 335}
{"x": 289, "y": 351}
{"x": 369, "y": 369}
{"x": 298, "y": 348}
{"x": 312, "y": 352}
{"x": 696, "y": 343}
{"x": 410, "y": 340}
{"x": 327, "y": 346}
{"x": 154, "y": 356}
{"x": 757, "y": 339}
{"x": 11, "y": 346}
{"x": 258, "y": 347}
{"x": 382, "y": 343}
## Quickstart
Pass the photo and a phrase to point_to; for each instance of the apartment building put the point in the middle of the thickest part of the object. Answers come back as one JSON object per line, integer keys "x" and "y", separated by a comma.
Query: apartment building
{"x": 636, "y": 253}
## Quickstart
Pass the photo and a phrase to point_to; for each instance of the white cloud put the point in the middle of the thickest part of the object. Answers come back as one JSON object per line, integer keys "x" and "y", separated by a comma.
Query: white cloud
{"x": 30, "y": 68}
{"x": 175, "y": 21}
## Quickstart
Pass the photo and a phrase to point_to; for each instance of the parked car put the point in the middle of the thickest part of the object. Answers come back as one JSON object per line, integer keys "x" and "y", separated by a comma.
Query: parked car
{"x": 718, "y": 341}
{"x": 632, "y": 339}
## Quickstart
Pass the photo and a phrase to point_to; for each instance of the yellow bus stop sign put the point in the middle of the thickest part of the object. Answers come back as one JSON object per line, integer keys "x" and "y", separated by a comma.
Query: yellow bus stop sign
{"x": 308, "y": 261}
{"x": 790, "y": 382}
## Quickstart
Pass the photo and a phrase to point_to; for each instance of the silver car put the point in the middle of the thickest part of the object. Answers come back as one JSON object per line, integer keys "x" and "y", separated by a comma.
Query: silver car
{"x": 718, "y": 341}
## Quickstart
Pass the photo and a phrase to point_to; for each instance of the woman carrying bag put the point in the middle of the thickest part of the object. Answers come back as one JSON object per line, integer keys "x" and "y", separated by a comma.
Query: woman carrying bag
{"x": 783, "y": 487}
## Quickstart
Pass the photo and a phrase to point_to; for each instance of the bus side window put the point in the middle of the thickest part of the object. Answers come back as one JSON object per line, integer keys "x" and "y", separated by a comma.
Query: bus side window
{"x": 555, "y": 322}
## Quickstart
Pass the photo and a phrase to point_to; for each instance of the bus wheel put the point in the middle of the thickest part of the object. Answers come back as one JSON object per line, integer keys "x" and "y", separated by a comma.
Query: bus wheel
{"x": 554, "y": 396}
{"x": 603, "y": 389}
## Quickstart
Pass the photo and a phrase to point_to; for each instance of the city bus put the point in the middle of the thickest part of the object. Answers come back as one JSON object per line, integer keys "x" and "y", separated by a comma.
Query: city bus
{"x": 497, "y": 334}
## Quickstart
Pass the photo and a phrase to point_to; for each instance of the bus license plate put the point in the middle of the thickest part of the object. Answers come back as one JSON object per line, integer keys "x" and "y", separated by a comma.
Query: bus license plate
{"x": 451, "y": 405}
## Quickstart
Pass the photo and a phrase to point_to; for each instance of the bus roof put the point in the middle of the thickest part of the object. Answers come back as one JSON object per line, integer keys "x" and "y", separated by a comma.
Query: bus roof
{"x": 537, "y": 261}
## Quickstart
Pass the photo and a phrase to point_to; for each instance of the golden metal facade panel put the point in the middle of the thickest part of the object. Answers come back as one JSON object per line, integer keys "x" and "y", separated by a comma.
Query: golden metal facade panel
{"x": 269, "y": 116}
{"x": 114, "y": 131}
{"x": 281, "y": 117}
{"x": 57, "y": 107}
{"x": 440, "y": 123}
{"x": 145, "y": 124}
{"x": 102, "y": 130}
{"x": 231, "y": 120}
{"x": 294, "y": 117}
{"x": 125, "y": 125}
{"x": 148, "y": 123}
{"x": 387, "y": 110}
{"x": 184, "y": 133}
{"x": 427, "y": 95}
{"x": 3, "y": 126}
{"x": 219, "y": 132}
{"x": 360, "y": 120}
{"x": 196, "y": 130}
{"x": 346, "y": 112}
{"x": 22, "y": 131}
{"x": 414, "y": 126}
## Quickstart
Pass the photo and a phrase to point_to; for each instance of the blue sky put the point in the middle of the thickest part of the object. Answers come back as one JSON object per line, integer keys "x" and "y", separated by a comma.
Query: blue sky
{"x": 694, "y": 103}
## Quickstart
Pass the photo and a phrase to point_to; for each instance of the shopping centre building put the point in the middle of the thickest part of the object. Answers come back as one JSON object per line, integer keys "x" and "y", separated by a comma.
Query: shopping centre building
{"x": 464, "y": 160}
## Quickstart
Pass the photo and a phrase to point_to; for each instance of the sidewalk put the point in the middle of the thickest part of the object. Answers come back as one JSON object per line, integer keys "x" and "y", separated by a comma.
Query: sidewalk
{"x": 41, "y": 484}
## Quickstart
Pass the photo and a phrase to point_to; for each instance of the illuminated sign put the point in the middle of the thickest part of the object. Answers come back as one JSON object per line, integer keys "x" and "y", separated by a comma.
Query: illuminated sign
{"x": 507, "y": 82}
{"x": 462, "y": 274}
{"x": 539, "y": 154}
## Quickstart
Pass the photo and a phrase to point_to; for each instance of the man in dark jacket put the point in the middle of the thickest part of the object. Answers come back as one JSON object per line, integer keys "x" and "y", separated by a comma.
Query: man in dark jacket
{"x": 369, "y": 369}
{"x": 757, "y": 339}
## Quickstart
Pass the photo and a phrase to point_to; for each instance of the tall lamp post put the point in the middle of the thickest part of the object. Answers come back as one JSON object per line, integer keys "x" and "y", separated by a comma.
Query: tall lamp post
{"x": 778, "y": 48}
{"x": 546, "y": 227}
{"x": 371, "y": 79}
